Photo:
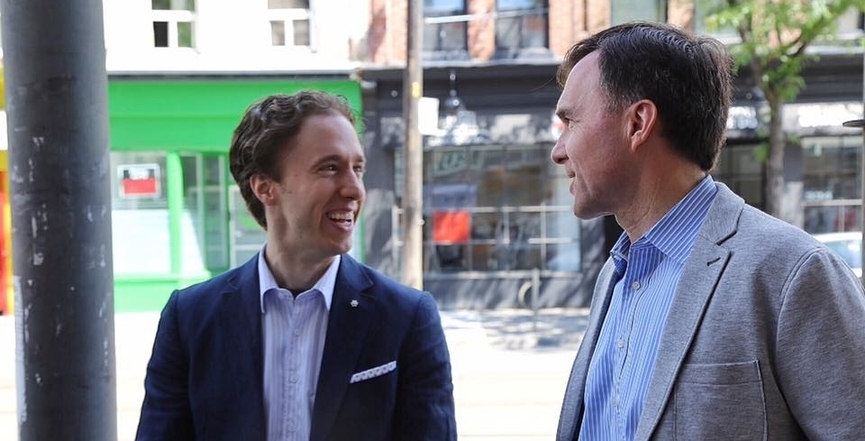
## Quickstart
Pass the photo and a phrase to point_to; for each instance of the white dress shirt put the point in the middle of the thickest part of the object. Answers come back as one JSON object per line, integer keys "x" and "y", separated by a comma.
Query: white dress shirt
{"x": 294, "y": 330}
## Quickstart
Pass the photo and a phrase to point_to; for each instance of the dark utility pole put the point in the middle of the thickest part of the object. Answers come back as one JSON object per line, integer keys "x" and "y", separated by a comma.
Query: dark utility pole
{"x": 412, "y": 198}
{"x": 57, "y": 106}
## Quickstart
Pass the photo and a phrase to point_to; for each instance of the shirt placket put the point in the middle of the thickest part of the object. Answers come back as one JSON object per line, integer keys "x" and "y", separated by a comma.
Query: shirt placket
{"x": 632, "y": 285}
{"x": 290, "y": 374}
{"x": 621, "y": 351}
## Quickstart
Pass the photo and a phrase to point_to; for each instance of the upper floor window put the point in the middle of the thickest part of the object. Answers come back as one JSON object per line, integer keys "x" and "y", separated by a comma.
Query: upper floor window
{"x": 624, "y": 11}
{"x": 289, "y": 22}
{"x": 705, "y": 8}
{"x": 445, "y": 28}
{"x": 520, "y": 24}
{"x": 850, "y": 24}
{"x": 173, "y": 23}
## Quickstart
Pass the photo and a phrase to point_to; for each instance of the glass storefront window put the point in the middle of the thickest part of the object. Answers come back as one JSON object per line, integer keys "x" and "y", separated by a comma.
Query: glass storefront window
{"x": 247, "y": 237}
{"x": 831, "y": 183}
{"x": 204, "y": 213}
{"x": 496, "y": 208}
{"x": 139, "y": 213}
{"x": 169, "y": 213}
{"x": 740, "y": 169}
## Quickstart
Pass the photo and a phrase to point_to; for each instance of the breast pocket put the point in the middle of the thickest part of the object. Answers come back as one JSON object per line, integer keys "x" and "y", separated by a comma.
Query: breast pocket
{"x": 720, "y": 402}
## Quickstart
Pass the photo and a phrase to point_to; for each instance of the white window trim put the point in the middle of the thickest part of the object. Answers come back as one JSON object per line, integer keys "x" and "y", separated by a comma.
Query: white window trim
{"x": 173, "y": 17}
{"x": 288, "y": 17}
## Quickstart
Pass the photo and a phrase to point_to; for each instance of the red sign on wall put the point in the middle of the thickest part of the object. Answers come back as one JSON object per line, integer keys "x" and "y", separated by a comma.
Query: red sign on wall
{"x": 451, "y": 227}
{"x": 139, "y": 180}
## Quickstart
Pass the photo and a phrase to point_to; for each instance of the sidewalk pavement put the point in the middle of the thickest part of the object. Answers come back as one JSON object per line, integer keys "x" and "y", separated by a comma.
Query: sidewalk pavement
{"x": 510, "y": 371}
{"x": 520, "y": 329}
{"x": 510, "y": 368}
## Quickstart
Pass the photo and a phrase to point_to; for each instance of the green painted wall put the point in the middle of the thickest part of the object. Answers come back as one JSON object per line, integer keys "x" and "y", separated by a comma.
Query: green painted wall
{"x": 196, "y": 115}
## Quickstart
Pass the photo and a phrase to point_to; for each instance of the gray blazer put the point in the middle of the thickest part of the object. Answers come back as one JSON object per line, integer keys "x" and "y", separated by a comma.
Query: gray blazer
{"x": 765, "y": 339}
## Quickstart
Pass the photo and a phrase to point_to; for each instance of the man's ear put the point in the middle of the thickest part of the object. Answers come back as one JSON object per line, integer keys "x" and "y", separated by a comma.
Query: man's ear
{"x": 263, "y": 188}
{"x": 642, "y": 119}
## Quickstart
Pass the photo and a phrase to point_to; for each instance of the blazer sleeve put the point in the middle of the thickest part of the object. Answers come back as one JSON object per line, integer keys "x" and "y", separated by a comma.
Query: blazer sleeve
{"x": 821, "y": 349}
{"x": 166, "y": 412}
{"x": 425, "y": 403}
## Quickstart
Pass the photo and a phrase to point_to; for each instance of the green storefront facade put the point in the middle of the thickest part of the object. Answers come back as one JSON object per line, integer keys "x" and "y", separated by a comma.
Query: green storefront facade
{"x": 177, "y": 217}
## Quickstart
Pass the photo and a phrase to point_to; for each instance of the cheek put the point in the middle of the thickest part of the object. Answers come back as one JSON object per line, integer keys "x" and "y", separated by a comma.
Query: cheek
{"x": 583, "y": 154}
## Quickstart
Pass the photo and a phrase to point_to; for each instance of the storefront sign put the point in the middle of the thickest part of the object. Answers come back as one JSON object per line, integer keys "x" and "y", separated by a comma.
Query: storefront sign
{"x": 821, "y": 119}
{"x": 743, "y": 118}
{"x": 139, "y": 180}
{"x": 451, "y": 227}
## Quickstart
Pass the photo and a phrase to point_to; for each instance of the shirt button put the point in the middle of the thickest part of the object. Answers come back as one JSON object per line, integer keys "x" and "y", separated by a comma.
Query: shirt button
{"x": 635, "y": 285}
{"x": 297, "y": 332}
{"x": 620, "y": 344}
{"x": 293, "y": 379}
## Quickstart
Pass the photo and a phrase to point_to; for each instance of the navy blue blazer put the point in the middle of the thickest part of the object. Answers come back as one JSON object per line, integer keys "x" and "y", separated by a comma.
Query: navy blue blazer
{"x": 205, "y": 377}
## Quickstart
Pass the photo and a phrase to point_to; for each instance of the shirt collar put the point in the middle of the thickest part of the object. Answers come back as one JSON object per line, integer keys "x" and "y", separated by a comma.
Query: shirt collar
{"x": 324, "y": 285}
{"x": 675, "y": 232}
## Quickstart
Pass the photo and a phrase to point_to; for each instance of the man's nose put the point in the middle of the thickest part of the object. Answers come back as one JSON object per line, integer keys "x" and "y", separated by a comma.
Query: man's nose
{"x": 558, "y": 154}
{"x": 353, "y": 187}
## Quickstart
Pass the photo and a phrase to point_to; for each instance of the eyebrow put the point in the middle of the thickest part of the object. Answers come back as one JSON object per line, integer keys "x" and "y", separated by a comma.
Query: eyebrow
{"x": 339, "y": 158}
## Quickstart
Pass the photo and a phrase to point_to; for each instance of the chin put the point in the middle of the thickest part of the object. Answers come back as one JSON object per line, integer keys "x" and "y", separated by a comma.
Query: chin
{"x": 585, "y": 214}
{"x": 342, "y": 248}
{"x": 580, "y": 212}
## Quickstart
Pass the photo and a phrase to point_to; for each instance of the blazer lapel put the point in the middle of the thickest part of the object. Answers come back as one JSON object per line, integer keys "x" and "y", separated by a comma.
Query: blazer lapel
{"x": 351, "y": 313}
{"x": 696, "y": 287}
{"x": 246, "y": 294}
{"x": 240, "y": 323}
{"x": 572, "y": 408}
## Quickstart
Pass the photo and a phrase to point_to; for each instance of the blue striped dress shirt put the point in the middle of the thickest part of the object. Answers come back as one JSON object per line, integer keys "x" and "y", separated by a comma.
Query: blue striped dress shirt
{"x": 294, "y": 330}
{"x": 648, "y": 272}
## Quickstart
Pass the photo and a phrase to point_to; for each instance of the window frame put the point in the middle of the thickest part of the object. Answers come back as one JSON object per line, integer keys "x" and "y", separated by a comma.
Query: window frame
{"x": 661, "y": 8}
{"x": 287, "y": 17}
{"x": 511, "y": 235}
{"x": 523, "y": 15}
{"x": 436, "y": 21}
{"x": 173, "y": 18}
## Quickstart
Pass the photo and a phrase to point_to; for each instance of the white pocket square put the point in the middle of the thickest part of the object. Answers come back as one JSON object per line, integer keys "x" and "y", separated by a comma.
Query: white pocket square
{"x": 374, "y": 372}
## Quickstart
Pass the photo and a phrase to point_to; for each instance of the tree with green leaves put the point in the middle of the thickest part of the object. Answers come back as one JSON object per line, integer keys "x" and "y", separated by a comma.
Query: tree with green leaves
{"x": 774, "y": 38}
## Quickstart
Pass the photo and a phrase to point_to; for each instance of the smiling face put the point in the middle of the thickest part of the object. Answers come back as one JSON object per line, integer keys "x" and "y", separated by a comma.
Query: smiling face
{"x": 313, "y": 208}
{"x": 593, "y": 146}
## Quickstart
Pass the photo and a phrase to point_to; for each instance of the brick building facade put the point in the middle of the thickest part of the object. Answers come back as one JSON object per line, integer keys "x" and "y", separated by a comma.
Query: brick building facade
{"x": 491, "y": 64}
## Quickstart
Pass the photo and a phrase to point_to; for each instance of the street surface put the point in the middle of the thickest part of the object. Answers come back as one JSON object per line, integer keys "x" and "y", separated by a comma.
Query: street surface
{"x": 509, "y": 370}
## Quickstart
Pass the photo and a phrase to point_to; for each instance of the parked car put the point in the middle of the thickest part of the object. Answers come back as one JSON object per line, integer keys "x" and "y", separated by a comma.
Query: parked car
{"x": 848, "y": 245}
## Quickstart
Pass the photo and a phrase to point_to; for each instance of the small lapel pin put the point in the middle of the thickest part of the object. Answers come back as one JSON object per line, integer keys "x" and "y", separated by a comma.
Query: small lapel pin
{"x": 353, "y": 303}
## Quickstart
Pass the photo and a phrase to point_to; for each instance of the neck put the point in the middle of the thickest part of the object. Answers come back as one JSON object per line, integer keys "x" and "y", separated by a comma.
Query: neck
{"x": 657, "y": 194}
{"x": 291, "y": 271}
